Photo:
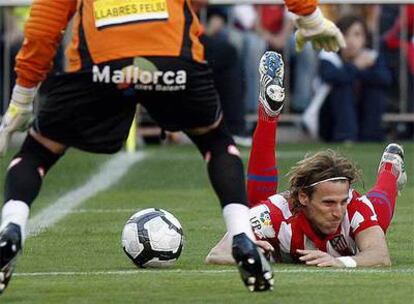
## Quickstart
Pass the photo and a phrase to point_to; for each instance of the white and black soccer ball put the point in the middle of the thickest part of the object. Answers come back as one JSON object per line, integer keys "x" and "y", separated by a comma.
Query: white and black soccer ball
{"x": 153, "y": 238}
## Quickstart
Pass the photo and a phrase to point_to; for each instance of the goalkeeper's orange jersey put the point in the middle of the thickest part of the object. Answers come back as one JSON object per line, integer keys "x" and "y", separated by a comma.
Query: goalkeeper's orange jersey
{"x": 107, "y": 30}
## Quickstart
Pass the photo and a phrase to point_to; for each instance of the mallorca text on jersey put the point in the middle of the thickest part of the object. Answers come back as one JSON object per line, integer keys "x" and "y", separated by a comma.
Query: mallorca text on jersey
{"x": 141, "y": 79}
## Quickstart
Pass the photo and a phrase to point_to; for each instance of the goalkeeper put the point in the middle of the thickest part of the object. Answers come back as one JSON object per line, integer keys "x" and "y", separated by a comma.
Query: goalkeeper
{"x": 121, "y": 52}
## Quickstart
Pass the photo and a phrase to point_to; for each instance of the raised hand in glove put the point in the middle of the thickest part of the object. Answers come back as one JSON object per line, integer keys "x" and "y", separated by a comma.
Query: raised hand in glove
{"x": 18, "y": 115}
{"x": 321, "y": 32}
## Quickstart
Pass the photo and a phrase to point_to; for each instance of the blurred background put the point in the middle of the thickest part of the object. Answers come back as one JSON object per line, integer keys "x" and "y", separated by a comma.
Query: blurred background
{"x": 365, "y": 93}
{"x": 362, "y": 94}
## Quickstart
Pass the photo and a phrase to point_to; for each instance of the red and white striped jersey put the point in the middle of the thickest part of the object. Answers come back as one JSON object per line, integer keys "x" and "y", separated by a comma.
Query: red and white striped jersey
{"x": 273, "y": 221}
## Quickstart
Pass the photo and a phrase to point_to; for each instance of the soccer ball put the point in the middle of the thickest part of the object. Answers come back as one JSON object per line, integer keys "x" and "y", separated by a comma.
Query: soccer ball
{"x": 152, "y": 238}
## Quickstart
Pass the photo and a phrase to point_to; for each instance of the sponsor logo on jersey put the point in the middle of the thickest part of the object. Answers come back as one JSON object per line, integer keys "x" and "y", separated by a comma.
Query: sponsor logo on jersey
{"x": 141, "y": 79}
{"x": 265, "y": 218}
{"x": 262, "y": 224}
{"x": 340, "y": 245}
{"x": 114, "y": 12}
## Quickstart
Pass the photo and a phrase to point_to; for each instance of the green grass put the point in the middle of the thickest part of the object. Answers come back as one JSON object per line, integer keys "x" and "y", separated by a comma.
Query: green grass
{"x": 84, "y": 252}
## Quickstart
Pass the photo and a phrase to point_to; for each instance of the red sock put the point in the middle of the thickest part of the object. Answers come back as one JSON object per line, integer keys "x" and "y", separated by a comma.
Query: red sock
{"x": 383, "y": 195}
{"x": 262, "y": 171}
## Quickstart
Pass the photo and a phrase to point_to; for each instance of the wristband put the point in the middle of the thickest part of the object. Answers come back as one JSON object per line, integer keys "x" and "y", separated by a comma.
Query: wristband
{"x": 347, "y": 261}
{"x": 314, "y": 20}
{"x": 22, "y": 95}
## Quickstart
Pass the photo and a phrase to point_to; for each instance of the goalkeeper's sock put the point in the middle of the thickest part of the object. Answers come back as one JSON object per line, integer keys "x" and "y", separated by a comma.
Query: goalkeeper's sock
{"x": 262, "y": 176}
{"x": 384, "y": 194}
{"x": 16, "y": 212}
{"x": 26, "y": 171}
{"x": 237, "y": 219}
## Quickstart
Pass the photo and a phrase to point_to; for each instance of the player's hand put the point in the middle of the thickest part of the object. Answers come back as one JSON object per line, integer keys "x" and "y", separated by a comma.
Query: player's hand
{"x": 18, "y": 115}
{"x": 266, "y": 248}
{"x": 321, "y": 32}
{"x": 318, "y": 258}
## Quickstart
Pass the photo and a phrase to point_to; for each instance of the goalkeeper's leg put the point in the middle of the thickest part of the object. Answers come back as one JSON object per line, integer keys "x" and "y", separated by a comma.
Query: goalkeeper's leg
{"x": 225, "y": 170}
{"x": 226, "y": 174}
{"x": 23, "y": 181}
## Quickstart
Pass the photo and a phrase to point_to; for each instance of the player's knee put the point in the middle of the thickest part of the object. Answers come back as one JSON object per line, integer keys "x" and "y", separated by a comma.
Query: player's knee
{"x": 216, "y": 143}
{"x": 224, "y": 165}
{"x": 26, "y": 171}
{"x": 33, "y": 153}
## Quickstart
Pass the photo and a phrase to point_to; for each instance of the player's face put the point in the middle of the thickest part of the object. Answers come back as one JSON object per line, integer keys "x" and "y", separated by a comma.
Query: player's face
{"x": 327, "y": 206}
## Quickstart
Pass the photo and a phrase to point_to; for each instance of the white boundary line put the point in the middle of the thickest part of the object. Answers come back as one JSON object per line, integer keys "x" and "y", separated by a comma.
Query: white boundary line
{"x": 211, "y": 271}
{"x": 108, "y": 174}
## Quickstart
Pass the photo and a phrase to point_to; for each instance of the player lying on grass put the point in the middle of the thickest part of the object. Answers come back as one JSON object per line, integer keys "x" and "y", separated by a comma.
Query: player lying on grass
{"x": 321, "y": 220}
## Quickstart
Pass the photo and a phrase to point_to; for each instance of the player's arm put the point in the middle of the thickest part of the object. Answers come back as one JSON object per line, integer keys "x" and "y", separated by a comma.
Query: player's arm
{"x": 373, "y": 249}
{"x": 314, "y": 27}
{"x": 42, "y": 36}
{"x": 369, "y": 237}
{"x": 43, "y": 32}
{"x": 220, "y": 254}
{"x": 301, "y": 7}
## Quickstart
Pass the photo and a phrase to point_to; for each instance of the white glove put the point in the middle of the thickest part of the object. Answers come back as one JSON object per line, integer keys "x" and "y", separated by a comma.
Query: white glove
{"x": 321, "y": 32}
{"x": 18, "y": 115}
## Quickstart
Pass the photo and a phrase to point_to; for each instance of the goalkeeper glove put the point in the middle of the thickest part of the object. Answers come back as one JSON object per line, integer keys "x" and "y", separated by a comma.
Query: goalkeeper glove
{"x": 321, "y": 32}
{"x": 18, "y": 115}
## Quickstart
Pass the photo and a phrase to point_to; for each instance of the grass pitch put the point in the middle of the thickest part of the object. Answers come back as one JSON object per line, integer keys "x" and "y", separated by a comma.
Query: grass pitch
{"x": 80, "y": 260}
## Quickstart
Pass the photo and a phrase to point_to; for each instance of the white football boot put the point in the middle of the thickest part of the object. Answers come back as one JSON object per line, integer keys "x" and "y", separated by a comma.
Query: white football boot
{"x": 394, "y": 154}
{"x": 272, "y": 93}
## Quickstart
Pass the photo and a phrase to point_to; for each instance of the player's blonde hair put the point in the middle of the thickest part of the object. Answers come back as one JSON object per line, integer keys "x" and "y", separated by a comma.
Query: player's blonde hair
{"x": 318, "y": 167}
